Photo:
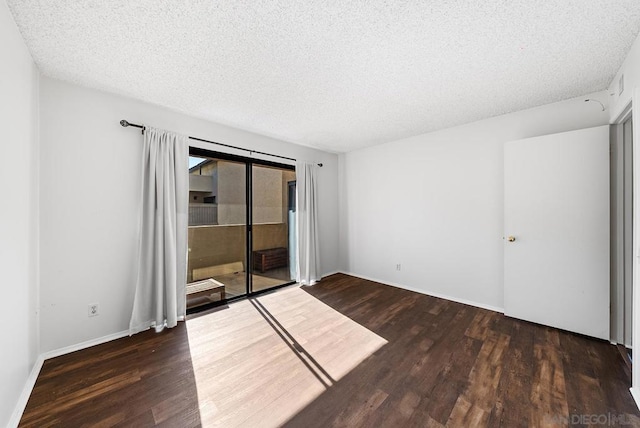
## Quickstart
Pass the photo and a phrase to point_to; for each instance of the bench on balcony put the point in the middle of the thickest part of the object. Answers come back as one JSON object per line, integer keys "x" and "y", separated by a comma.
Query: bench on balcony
{"x": 271, "y": 258}
{"x": 205, "y": 289}
{"x": 229, "y": 278}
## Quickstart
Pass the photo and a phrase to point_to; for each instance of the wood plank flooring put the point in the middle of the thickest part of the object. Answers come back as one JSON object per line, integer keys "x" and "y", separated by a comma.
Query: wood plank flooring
{"x": 346, "y": 352}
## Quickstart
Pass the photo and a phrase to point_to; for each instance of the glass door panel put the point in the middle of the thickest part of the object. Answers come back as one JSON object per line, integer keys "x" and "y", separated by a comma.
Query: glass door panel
{"x": 217, "y": 230}
{"x": 272, "y": 227}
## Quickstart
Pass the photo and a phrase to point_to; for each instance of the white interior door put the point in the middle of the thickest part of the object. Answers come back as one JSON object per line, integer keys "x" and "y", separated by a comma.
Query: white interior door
{"x": 556, "y": 268}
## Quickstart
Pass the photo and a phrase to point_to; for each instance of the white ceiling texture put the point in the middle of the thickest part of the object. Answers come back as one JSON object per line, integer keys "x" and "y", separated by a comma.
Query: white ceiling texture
{"x": 334, "y": 74}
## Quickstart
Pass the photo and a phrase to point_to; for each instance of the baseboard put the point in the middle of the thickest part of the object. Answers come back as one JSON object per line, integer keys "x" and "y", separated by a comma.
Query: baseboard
{"x": 330, "y": 273}
{"x": 429, "y": 293}
{"x": 35, "y": 371}
{"x": 18, "y": 410}
{"x": 635, "y": 393}
{"x": 84, "y": 345}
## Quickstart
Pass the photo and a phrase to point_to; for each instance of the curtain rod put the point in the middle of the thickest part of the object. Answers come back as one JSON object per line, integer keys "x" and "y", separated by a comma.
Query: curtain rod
{"x": 125, "y": 123}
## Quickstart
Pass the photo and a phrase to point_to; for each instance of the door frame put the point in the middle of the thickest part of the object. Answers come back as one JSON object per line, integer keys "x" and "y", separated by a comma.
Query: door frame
{"x": 248, "y": 162}
{"x": 635, "y": 115}
{"x": 618, "y": 162}
{"x": 635, "y": 335}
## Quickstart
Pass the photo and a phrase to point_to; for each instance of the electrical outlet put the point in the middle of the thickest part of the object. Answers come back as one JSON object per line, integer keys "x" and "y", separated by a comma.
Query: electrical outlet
{"x": 398, "y": 266}
{"x": 93, "y": 310}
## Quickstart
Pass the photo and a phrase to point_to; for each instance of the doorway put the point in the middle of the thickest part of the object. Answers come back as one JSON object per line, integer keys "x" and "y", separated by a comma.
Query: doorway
{"x": 622, "y": 234}
{"x": 239, "y": 237}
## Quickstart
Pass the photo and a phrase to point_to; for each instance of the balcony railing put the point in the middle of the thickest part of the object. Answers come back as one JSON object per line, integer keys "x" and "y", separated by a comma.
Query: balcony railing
{"x": 203, "y": 214}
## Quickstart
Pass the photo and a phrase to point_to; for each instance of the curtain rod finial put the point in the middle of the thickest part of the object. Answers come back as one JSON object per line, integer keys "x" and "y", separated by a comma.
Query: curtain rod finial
{"x": 320, "y": 165}
{"x": 124, "y": 123}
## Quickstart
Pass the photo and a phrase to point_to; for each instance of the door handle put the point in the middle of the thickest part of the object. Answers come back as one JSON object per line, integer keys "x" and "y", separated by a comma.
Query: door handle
{"x": 511, "y": 238}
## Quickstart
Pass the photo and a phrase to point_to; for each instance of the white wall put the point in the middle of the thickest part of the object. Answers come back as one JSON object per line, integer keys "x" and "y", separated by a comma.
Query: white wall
{"x": 19, "y": 213}
{"x": 434, "y": 203}
{"x": 90, "y": 189}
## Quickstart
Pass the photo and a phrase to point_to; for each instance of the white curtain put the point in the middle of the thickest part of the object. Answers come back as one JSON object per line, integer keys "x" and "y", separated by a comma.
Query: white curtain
{"x": 308, "y": 255}
{"x": 160, "y": 288}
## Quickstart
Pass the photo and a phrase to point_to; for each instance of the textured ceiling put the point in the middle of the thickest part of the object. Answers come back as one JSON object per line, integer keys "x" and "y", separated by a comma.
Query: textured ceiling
{"x": 336, "y": 75}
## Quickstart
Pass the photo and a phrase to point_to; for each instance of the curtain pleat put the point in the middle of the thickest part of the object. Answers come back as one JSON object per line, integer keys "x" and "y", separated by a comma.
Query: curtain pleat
{"x": 162, "y": 257}
{"x": 308, "y": 254}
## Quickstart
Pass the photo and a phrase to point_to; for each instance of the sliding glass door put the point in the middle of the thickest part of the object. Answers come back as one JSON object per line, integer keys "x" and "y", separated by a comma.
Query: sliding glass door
{"x": 271, "y": 257}
{"x": 217, "y": 236}
{"x": 240, "y": 227}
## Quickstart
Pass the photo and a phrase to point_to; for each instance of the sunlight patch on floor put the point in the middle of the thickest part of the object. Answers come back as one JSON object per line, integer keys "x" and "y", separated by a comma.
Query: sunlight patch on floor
{"x": 260, "y": 361}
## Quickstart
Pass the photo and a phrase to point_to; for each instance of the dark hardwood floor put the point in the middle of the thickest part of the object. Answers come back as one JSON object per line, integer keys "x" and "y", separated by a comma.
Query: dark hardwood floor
{"x": 422, "y": 362}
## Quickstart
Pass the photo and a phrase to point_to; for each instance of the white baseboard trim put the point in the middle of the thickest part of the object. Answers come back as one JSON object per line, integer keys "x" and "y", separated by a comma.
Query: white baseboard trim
{"x": 84, "y": 345}
{"x": 35, "y": 371}
{"x": 330, "y": 273}
{"x": 635, "y": 393}
{"x": 429, "y": 293}
{"x": 18, "y": 410}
